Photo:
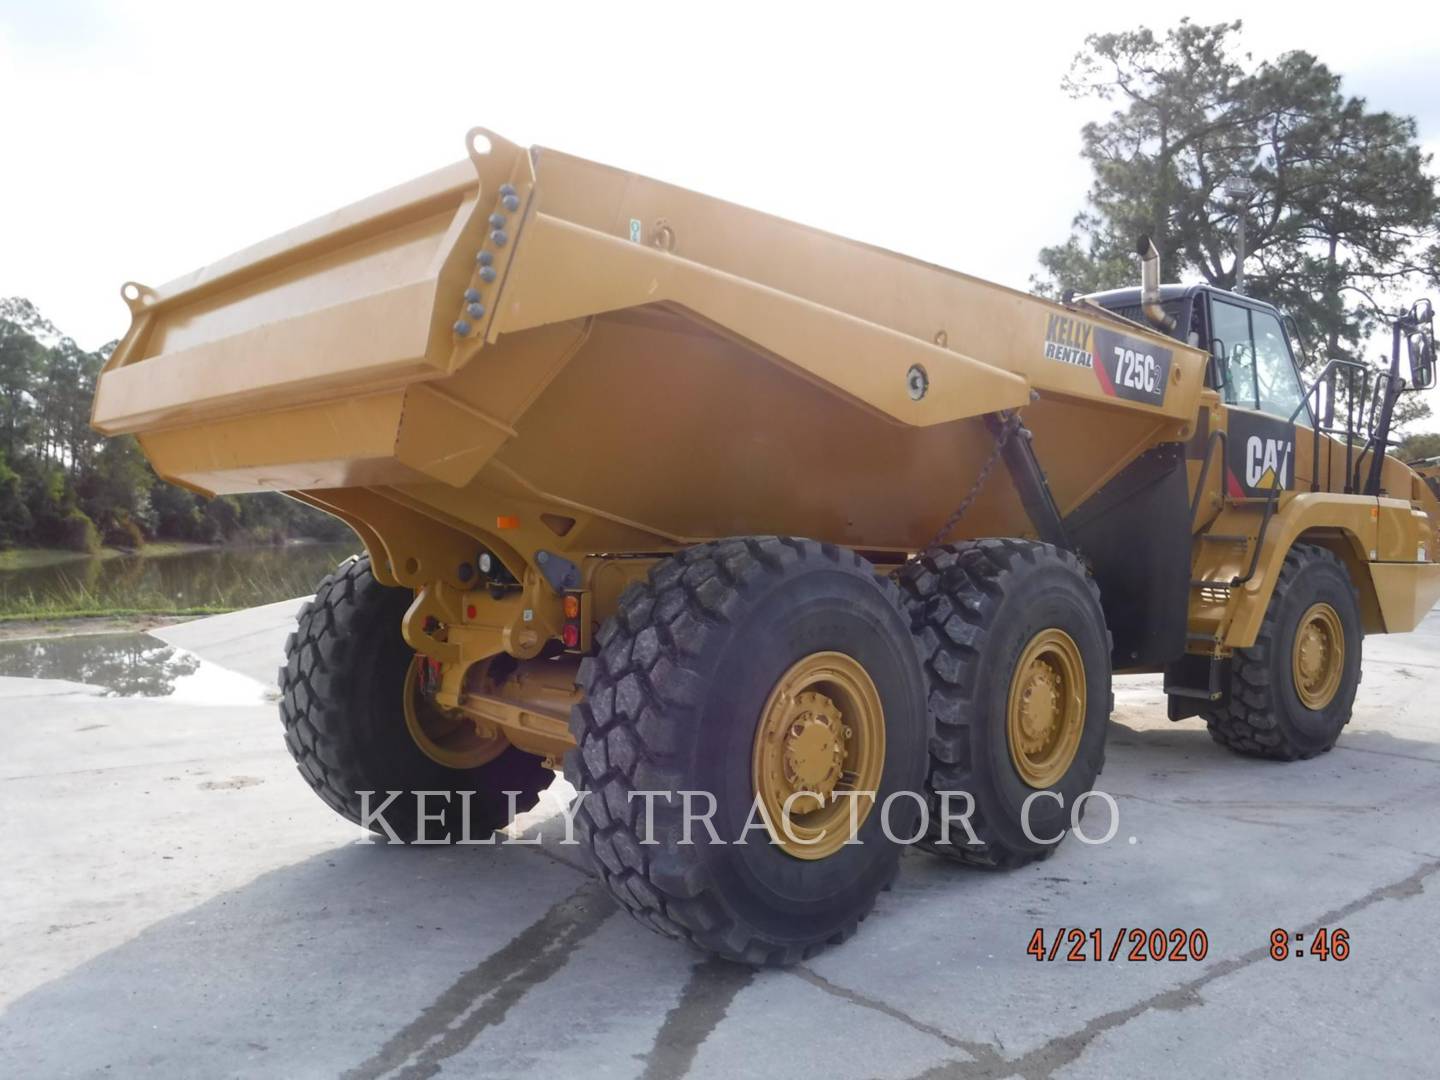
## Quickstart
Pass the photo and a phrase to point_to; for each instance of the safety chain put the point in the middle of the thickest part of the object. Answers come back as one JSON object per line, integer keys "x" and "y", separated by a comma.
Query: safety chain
{"x": 1010, "y": 425}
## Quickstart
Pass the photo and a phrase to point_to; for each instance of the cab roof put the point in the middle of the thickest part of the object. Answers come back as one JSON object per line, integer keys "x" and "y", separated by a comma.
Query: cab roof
{"x": 1130, "y": 297}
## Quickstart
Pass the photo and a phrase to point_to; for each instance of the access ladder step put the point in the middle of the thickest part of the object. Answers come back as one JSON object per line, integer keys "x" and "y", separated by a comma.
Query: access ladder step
{"x": 1195, "y": 678}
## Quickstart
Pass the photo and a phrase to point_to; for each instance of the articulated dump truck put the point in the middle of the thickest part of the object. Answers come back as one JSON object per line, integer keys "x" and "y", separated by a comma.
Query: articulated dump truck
{"x": 792, "y": 550}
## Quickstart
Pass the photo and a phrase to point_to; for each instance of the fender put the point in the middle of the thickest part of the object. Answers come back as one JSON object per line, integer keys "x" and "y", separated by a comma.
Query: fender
{"x": 1347, "y": 524}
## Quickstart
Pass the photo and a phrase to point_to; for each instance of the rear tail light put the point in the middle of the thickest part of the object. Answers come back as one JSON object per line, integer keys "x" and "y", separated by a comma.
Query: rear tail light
{"x": 572, "y": 631}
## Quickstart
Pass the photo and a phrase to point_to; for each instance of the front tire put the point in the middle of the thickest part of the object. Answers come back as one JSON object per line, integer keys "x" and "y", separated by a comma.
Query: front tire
{"x": 723, "y": 648}
{"x": 342, "y": 707}
{"x": 1292, "y": 692}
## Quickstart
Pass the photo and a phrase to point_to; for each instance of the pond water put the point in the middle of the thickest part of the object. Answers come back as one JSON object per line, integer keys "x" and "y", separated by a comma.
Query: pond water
{"x": 130, "y": 665}
{"x": 208, "y": 578}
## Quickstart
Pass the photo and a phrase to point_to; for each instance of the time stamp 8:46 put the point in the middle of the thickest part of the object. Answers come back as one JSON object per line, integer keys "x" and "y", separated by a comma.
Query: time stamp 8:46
{"x": 1325, "y": 944}
{"x": 1073, "y": 944}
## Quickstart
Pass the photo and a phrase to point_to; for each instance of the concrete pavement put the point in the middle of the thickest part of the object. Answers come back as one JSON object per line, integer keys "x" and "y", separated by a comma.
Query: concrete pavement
{"x": 177, "y": 903}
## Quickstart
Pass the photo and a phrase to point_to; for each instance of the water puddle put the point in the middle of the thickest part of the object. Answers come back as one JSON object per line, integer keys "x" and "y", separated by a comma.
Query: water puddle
{"x": 131, "y": 665}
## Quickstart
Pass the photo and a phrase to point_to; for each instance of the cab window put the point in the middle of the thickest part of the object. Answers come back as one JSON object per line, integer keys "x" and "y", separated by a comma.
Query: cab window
{"x": 1255, "y": 360}
{"x": 1275, "y": 375}
{"x": 1230, "y": 331}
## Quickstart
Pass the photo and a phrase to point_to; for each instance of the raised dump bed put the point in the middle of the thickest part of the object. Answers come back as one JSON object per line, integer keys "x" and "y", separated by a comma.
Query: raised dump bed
{"x": 658, "y": 366}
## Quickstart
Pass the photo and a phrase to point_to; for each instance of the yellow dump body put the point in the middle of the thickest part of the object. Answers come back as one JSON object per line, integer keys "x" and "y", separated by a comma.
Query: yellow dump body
{"x": 618, "y": 365}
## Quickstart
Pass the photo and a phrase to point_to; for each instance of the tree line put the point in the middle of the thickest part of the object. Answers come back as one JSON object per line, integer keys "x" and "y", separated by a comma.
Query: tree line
{"x": 62, "y": 485}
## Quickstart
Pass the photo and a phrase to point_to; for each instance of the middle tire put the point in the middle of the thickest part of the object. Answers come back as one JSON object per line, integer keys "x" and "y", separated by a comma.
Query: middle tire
{"x": 1018, "y": 658}
{"x": 750, "y": 668}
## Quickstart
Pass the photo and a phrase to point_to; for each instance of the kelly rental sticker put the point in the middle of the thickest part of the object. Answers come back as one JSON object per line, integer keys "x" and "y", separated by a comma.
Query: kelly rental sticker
{"x": 1125, "y": 366}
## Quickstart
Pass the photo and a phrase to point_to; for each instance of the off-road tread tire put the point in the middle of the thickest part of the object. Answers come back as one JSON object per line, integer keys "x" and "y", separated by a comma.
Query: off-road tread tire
{"x": 953, "y": 593}
{"x": 1247, "y": 723}
{"x": 636, "y": 692}
{"x": 345, "y": 737}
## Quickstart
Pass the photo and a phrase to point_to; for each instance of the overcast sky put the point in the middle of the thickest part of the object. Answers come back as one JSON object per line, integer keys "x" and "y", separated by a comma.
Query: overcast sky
{"x": 142, "y": 140}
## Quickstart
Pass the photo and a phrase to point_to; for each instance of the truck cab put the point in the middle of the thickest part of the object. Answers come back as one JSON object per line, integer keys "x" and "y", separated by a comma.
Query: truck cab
{"x": 1253, "y": 358}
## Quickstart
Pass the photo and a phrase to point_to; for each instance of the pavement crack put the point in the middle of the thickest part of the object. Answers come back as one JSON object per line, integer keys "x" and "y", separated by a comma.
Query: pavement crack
{"x": 1402, "y": 664}
{"x": 1062, "y": 1050}
{"x": 705, "y": 999}
{"x": 542, "y": 849}
{"x": 164, "y": 763}
{"x": 983, "y": 1053}
{"x": 1209, "y": 811}
{"x": 482, "y": 996}
{"x": 1386, "y": 753}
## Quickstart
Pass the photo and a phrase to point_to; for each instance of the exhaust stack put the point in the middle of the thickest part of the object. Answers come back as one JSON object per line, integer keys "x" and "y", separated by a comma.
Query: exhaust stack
{"x": 1150, "y": 285}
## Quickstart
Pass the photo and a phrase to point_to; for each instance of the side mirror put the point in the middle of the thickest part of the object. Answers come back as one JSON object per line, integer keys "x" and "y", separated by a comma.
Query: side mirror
{"x": 1421, "y": 345}
{"x": 1422, "y": 361}
{"x": 1219, "y": 373}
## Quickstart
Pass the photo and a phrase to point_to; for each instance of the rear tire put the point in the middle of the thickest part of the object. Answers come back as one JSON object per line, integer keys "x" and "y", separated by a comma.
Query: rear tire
{"x": 1267, "y": 715}
{"x": 342, "y": 709}
{"x": 978, "y": 609}
{"x": 688, "y": 672}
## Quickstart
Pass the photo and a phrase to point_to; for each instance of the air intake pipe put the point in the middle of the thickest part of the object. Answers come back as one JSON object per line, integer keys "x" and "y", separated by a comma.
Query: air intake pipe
{"x": 1150, "y": 285}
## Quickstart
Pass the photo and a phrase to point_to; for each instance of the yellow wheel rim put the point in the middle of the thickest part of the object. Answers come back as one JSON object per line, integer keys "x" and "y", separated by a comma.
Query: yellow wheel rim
{"x": 821, "y": 734}
{"x": 1318, "y": 658}
{"x": 448, "y": 740}
{"x": 1045, "y": 715}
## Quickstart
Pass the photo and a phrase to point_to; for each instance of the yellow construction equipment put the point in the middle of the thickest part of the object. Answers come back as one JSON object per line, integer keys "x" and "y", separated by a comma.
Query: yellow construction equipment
{"x": 844, "y": 545}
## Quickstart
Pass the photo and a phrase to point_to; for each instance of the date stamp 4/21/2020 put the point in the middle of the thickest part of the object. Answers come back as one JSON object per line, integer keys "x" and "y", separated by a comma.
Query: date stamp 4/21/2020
{"x": 1074, "y": 945}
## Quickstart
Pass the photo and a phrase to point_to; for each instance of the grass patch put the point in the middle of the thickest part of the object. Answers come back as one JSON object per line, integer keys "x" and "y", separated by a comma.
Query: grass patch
{"x": 46, "y": 614}
{"x": 74, "y": 599}
{"x": 35, "y": 558}
{"x": 218, "y": 580}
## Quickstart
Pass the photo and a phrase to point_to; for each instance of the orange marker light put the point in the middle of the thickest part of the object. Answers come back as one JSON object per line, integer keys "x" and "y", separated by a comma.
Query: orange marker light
{"x": 507, "y": 521}
{"x": 572, "y": 607}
